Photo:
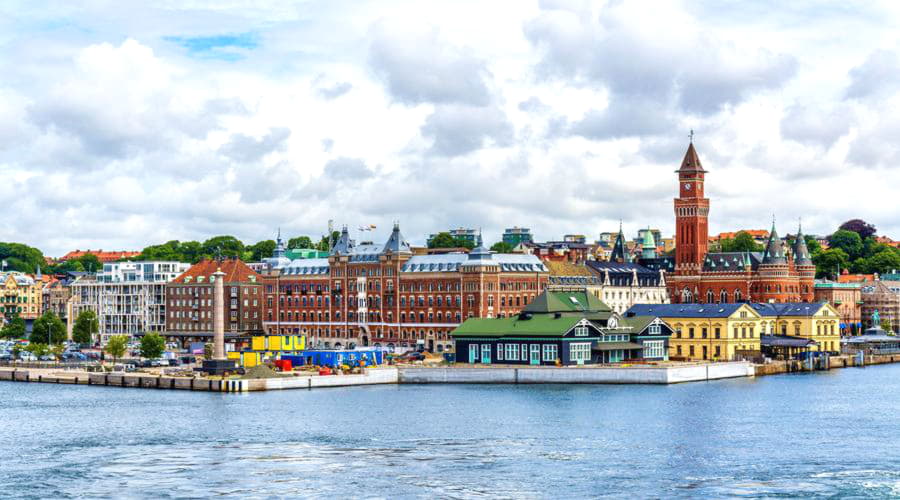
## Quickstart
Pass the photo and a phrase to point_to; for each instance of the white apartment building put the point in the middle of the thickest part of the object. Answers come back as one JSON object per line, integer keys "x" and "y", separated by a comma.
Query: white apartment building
{"x": 128, "y": 297}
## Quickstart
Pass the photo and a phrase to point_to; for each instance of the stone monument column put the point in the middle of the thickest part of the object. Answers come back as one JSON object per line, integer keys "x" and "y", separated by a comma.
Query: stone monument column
{"x": 219, "y": 316}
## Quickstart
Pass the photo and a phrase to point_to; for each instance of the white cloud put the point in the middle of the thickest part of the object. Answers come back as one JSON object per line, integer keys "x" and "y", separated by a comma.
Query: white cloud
{"x": 122, "y": 126}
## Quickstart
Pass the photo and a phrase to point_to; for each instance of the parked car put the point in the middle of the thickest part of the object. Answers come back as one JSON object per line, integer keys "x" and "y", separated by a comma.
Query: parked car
{"x": 48, "y": 357}
{"x": 6, "y": 356}
{"x": 174, "y": 362}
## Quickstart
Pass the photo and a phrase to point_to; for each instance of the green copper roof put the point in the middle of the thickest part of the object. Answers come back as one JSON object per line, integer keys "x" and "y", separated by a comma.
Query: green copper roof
{"x": 553, "y": 301}
{"x": 536, "y": 326}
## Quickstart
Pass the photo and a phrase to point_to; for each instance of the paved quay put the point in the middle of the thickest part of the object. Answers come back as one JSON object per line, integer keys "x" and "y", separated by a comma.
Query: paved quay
{"x": 641, "y": 374}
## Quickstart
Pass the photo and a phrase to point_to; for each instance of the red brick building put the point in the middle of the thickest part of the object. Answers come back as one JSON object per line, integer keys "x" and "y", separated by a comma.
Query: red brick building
{"x": 775, "y": 275}
{"x": 371, "y": 294}
{"x": 189, "y": 301}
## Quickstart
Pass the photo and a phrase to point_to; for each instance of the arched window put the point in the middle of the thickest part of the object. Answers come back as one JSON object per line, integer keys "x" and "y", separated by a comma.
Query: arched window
{"x": 737, "y": 295}
{"x": 709, "y": 297}
{"x": 686, "y": 296}
{"x": 723, "y": 297}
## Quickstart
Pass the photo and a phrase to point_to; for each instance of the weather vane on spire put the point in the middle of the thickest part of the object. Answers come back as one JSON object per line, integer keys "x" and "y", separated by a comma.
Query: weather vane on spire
{"x": 691, "y": 136}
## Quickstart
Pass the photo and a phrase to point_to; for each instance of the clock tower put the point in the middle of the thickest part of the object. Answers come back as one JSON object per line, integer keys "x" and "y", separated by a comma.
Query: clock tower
{"x": 691, "y": 215}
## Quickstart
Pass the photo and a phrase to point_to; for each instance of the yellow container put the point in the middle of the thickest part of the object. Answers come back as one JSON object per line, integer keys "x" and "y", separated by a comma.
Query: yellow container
{"x": 274, "y": 343}
{"x": 287, "y": 343}
{"x": 249, "y": 359}
{"x": 300, "y": 343}
{"x": 258, "y": 344}
{"x": 234, "y": 355}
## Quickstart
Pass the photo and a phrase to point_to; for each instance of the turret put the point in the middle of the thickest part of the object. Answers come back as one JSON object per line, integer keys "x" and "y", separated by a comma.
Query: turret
{"x": 648, "y": 248}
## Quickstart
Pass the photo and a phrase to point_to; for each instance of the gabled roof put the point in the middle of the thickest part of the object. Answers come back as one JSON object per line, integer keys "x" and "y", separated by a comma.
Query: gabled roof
{"x": 554, "y": 301}
{"x": 691, "y": 161}
{"x": 684, "y": 310}
{"x": 235, "y": 272}
{"x": 536, "y": 326}
{"x": 396, "y": 243}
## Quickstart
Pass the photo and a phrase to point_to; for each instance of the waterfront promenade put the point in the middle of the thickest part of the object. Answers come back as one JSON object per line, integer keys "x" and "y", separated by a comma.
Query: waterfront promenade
{"x": 640, "y": 374}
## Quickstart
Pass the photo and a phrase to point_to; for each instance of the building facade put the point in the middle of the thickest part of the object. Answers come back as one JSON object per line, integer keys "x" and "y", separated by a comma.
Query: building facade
{"x": 127, "y": 297}
{"x": 817, "y": 322}
{"x": 882, "y": 297}
{"x": 190, "y": 307}
{"x": 21, "y": 294}
{"x": 515, "y": 235}
{"x": 370, "y": 294}
{"x": 775, "y": 275}
{"x": 847, "y": 299}
{"x": 562, "y": 328}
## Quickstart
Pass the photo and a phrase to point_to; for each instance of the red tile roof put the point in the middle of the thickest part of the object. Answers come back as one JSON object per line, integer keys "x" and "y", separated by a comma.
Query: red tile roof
{"x": 101, "y": 255}
{"x": 235, "y": 271}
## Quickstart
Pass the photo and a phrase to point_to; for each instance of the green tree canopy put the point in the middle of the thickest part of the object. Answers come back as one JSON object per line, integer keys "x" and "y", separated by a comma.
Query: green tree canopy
{"x": 742, "y": 242}
{"x": 85, "y": 327}
{"x": 262, "y": 250}
{"x": 22, "y": 258}
{"x": 48, "y": 325}
{"x": 116, "y": 346}
{"x": 152, "y": 345}
{"x": 848, "y": 241}
{"x": 324, "y": 245}
{"x": 14, "y": 328}
{"x": 226, "y": 246}
{"x": 446, "y": 240}
{"x": 830, "y": 262}
{"x": 501, "y": 247}
{"x": 860, "y": 227}
{"x": 300, "y": 242}
{"x": 37, "y": 348}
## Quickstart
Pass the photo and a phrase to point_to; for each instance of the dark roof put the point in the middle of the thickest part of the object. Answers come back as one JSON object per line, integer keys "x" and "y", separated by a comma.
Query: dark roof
{"x": 774, "y": 253}
{"x": 619, "y": 253}
{"x": 659, "y": 264}
{"x": 730, "y": 261}
{"x": 801, "y": 252}
{"x": 623, "y": 274}
{"x": 805, "y": 309}
{"x": 683, "y": 310}
{"x": 691, "y": 161}
{"x": 396, "y": 243}
{"x": 784, "y": 341}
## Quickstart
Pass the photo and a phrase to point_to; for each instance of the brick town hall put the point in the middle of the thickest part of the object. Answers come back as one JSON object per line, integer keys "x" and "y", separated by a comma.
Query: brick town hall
{"x": 778, "y": 274}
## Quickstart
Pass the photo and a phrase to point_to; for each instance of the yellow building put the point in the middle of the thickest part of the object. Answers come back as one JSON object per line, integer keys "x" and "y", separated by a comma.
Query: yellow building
{"x": 819, "y": 322}
{"x": 21, "y": 294}
{"x": 716, "y": 332}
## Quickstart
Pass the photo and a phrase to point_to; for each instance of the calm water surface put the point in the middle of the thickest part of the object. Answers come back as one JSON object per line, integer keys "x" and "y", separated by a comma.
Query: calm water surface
{"x": 832, "y": 434}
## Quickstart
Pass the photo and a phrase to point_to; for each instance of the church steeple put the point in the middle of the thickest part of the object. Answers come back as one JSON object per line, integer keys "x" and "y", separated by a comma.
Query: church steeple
{"x": 691, "y": 215}
{"x": 619, "y": 253}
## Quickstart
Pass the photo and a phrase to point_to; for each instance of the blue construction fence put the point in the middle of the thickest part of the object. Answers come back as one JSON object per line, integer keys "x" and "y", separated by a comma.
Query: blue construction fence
{"x": 335, "y": 358}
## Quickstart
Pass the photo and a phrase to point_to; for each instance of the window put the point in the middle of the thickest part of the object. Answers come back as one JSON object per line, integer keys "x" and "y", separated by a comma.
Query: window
{"x": 655, "y": 330}
{"x": 549, "y": 353}
{"x": 524, "y": 352}
{"x": 512, "y": 352}
{"x": 718, "y": 332}
{"x": 499, "y": 352}
{"x": 579, "y": 352}
{"x": 654, "y": 349}
{"x": 581, "y": 331}
{"x": 691, "y": 332}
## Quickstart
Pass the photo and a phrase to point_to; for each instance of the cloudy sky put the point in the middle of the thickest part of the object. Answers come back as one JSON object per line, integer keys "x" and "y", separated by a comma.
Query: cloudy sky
{"x": 123, "y": 125}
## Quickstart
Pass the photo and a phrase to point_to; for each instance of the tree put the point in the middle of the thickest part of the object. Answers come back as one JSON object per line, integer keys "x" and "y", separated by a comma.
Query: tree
{"x": 57, "y": 351}
{"x": 48, "y": 327}
{"x": 300, "y": 242}
{"x": 831, "y": 261}
{"x": 37, "y": 348}
{"x": 812, "y": 245}
{"x": 15, "y": 327}
{"x": 116, "y": 346}
{"x": 502, "y": 247}
{"x": 225, "y": 246}
{"x": 20, "y": 257}
{"x": 152, "y": 345}
{"x": 262, "y": 250}
{"x": 86, "y": 326}
{"x": 860, "y": 227}
{"x": 442, "y": 240}
{"x": 742, "y": 242}
{"x": 848, "y": 241}
{"x": 90, "y": 262}
{"x": 324, "y": 245}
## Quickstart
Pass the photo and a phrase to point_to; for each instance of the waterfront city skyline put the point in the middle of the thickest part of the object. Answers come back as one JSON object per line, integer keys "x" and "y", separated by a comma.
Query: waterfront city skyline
{"x": 127, "y": 125}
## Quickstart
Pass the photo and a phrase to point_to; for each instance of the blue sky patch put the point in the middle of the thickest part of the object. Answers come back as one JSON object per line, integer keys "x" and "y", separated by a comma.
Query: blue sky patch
{"x": 226, "y": 47}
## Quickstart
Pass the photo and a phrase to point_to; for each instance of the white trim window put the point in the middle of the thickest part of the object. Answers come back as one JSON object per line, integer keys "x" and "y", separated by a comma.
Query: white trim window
{"x": 499, "y": 352}
{"x": 655, "y": 329}
{"x": 581, "y": 331}
{"x": 549, "y": 353}
{"x": 580, "y": 353}
{"x": 654, "y": 349}
{"x": 512, "y": 352}
{"x": 524, "y": 352}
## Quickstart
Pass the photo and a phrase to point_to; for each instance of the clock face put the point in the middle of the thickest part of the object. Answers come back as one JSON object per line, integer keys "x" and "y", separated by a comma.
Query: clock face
{"x": 687, "y": 186}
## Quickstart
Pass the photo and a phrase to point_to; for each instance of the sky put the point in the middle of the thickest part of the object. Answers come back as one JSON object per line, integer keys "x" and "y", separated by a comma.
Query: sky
{"x": 125, "y": 124}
